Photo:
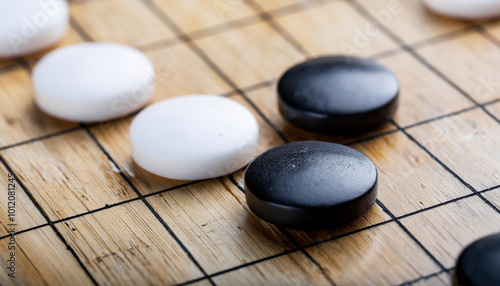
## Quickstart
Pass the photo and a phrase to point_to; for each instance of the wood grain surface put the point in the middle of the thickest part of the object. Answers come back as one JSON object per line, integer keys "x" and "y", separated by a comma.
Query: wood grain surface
{"x": 86, "y": 214}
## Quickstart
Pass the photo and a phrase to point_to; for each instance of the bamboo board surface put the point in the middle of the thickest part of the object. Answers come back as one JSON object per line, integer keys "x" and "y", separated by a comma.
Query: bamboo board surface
{"x": 86, "y": 214}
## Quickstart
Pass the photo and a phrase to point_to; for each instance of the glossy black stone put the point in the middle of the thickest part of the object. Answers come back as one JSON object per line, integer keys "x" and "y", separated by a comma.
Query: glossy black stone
{"x": 338, "y": 94}
{"x": 479, "y": 263}
{"x": 311, "y": 185}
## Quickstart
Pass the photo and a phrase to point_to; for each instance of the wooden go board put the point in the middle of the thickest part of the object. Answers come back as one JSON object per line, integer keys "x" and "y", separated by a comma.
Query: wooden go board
{"x": 86, "y": 214}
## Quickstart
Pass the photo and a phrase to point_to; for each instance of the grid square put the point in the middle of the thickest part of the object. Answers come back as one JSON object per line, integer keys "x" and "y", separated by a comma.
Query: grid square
{"x": 26, "y": 215}
{"x": 214, "y": 222}
{"x": 374, "y": 216}
{"x": 21, "y": 120}
{"x": 409, "y": 179}
{"x": 423, "y": 94}
{"x": 291, "y": 269}
{"x": 246, "y": 58}
{"x": 193, "y": 15}
{"x": 410, "y": 20}
{"x": 114, "y": 137}
{"x": 494, "y": 30}
{"x": 133, "y": 23}
{"x": 68, "y": 174}
{"x": 335, "y": 28}
{"x": 179, "y": 71}
{"x": 131, "y": 239}
{"x": 359, "y": 258}
{"x": 202, "y": 283}
{"x": 476, "y": 71}
{"x": 41, "y": 259}
{"x": 467, "y": 143}
{"x": 445, "y": 231}
{"x": 266, "y": 100}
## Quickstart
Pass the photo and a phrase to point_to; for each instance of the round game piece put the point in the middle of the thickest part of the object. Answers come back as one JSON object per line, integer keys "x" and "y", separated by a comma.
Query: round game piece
{"x": 465, "y": 9}
{"x": 92, "y": 82}
{"x": 194, "y": 137}
{"x": 479, "y": 263}
{"x": 29, "y": 26}
{"x": 337, "y": 94}
{"x": 311, "y": 185}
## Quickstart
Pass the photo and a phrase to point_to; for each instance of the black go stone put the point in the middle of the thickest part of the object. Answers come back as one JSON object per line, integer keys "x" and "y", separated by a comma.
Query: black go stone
{"x": 311, "y": 185}
{"x": 479, "y": 263}
{"x": 338, "y": 94}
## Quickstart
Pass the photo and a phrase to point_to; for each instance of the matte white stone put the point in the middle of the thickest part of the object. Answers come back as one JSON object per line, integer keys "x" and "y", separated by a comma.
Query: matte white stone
{"x": 92, "y": 82}
{"x": 465, "y": 9}
{"x": 29, "y": 26}
{"x": 194, "y": 137}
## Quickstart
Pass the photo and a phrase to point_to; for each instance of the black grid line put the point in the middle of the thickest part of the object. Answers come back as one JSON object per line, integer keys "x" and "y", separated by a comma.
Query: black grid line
{"x": 496, "y": 188}
{"x": 443, "y": 37}
{"x": 8, "y": 67}
{"x": 26, "y": 230}
{"x": 46, "y": 217}
{"x": 161, "y": 44}
{"x": 485, "y": 33}
{"x": 106, "y": 207}
{"x": 287, "y": 234}
{"x": 271, "y": 82}
{"x": 265, "y": 17}
{"x": 252, "y": 88}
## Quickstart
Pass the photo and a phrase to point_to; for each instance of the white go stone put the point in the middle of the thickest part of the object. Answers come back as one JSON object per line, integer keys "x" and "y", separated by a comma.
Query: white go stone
{"x": 194, "y": 137}
{"x": 29, "y": 26}
{"x": 465, "y": 9}
{"x": 93, "y": 82}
